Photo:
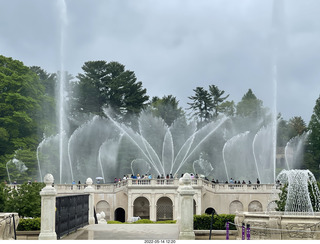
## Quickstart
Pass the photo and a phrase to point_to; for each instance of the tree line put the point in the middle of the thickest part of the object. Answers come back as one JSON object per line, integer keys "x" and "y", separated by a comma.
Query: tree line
{"x": 28, "y": 108}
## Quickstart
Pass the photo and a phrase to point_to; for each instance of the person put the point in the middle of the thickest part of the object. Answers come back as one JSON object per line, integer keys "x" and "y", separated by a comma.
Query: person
{"x": 124, "y": 177}
{"x": 213, "y": 181}
{"x": 197, "y": 176}
{"x": 149, "y": 177}
{"x": 249, "y": 182}
{"x": 158, "y": 177}
{"x": 217, "y": 181}
{"x": 171, "y": 176}
{"x": 162, "y": 177}
{"x": 167, "y": 176}
{"x": 115, "y": 180}
{"x": 258, "y": 181}
{"x": 243, "y": 182}
{"x": 192, "y": 176}
{"x": 138, "y": 177}
{"x": 231, "y": 181}
{"x": 73, "y": 182}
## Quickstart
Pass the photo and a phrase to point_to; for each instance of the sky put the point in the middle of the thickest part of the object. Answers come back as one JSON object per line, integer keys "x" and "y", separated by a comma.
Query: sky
{"x": 174, "y": 46}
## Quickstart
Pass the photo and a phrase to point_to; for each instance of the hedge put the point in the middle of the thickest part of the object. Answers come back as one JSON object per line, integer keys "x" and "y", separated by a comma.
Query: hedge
{"x": 202, "y": 222}
{"x": 29, "y": 224}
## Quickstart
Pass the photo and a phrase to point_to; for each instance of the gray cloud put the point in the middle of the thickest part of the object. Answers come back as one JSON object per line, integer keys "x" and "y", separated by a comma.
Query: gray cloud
{"x": 175, "y": 45}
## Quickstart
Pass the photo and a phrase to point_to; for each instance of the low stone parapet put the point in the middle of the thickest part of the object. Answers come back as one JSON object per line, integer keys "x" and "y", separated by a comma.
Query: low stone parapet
{"x": 8, "y": 225}
{"x": 279, "y": 225}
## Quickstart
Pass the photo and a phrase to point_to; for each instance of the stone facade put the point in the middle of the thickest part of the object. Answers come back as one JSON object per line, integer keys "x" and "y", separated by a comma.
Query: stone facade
{"x": 280, "y": 226}
{"x": 158, "y": 199}
{"x": 6, "y": 225}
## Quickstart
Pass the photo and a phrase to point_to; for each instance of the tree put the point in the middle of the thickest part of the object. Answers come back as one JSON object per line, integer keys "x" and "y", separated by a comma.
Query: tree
{"x": 25, "y": 200}
{"x": 297, "y": 126}
{"x": 21, "y": 99}
{"x": 167, "y": 108}
{"x": 250, "y": 106}
{"x": 217, "y": 99}
{"x": 109, "y": 85}
{"x": 201, "y": 104}
{"x": 312, "y": 155}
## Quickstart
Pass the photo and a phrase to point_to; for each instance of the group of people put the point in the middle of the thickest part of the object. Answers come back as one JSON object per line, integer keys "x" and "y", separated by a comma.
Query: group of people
{"x": 232, "y": 181}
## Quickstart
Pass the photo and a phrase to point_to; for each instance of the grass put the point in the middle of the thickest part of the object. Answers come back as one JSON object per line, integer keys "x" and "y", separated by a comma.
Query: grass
{"x": 144, "y": 221}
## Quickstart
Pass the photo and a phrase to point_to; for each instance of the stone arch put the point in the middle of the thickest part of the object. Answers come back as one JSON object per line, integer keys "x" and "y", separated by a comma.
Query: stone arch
{"x": 255, "y": 206}
{"x": 194, "y": 207}
{"x": 164, "y": 209}
{"x": 235, "y": 206}
{"x": 105, "y": 207}
{"x": 120, "y": 215}
{"x": 141, "y": 208}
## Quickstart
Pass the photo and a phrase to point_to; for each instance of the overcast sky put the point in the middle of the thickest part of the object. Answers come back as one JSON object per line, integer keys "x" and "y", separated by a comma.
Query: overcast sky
{"x": 173, "y": 46}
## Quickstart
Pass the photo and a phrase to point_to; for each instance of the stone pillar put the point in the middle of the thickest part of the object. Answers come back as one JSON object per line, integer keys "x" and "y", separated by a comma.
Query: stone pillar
{"x": 48, "y": 210}
{"x": 153, "y": 208}
{"x": 186, "y": 208}
{"x": 274, "y": 223}
{"x": 130, "y": 207}
{"x": 89, "y": 189}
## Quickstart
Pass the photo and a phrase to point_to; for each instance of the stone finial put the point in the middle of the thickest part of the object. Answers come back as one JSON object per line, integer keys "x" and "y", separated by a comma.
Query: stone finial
{"x": 48, "y": 179}
{"x": 89, "y": 181}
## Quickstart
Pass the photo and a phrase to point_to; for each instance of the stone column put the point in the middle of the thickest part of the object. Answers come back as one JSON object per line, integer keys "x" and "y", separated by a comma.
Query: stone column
{"x": 186, "y": 208}
{"x": 48, "y": 210}
{"x": 89, "y": 189}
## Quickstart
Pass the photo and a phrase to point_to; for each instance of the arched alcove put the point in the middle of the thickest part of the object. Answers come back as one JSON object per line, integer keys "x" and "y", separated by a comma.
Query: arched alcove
{"x": 255, "y": 206}
{"x": 164, "y": 209}
{"x": 235, "y": 206}
{"x": 141, "y": 208}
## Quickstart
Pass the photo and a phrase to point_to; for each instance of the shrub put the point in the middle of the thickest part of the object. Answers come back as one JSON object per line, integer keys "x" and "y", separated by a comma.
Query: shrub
{"x": 144, "y": 221}
{"x": 202, "y": 222}
{"x": 29, "y": 224}
{"x": 166, "y": 222}
{"x": 114, "y": 222}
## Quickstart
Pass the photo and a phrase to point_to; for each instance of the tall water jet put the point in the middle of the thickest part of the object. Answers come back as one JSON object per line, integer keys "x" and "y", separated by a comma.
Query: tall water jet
{"x": 62, "y": 88}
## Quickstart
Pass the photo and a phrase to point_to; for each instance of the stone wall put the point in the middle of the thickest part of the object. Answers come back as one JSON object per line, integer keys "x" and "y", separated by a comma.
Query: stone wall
{"x": 279, "y": 226}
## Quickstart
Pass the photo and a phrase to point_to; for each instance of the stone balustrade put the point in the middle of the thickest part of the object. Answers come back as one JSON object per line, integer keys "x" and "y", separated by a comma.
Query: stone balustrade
{"x": 166, "y": 183}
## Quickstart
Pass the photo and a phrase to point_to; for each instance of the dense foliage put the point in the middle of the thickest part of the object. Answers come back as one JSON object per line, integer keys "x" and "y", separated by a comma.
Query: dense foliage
{"x": 203, "y": 222}
{"x": 23, "y": 199}
{"x": 29, "y": 224}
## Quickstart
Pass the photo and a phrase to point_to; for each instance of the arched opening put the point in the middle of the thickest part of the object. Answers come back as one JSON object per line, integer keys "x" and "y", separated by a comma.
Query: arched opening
{"x": 235, "y": 206}
{"x": 209, "y": 210}
{"x": 255, "y": 206}
{"x": 104, "y": 206}
{"x": 194, "y": 207}
{"x": 120, "y": 215}
{"x": 141, "y": 208}
{"x": 164, "y": 209}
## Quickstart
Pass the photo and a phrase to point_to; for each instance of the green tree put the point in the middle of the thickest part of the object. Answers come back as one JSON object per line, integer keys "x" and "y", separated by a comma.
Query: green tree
{"x": 21, "y": 99}
{"x": 297, "y": 126}
{"x": 217, "y": 99}
{"x": 201, "y": 105}
{"x": 249, "y": 106}
{"x": 25, "y": 200}
{"x": 312, "y": 155}
{"x": 109, "y": 85}
{"x": 167, "y": 108}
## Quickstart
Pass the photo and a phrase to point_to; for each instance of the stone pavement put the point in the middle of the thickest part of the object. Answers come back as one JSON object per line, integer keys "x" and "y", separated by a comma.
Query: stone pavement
{"x": 126, "y": 232}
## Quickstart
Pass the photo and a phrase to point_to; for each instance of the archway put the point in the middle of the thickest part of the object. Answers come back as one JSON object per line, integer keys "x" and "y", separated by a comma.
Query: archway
{"x": 141, "y": 208}
{"x": 209, "y": 210}
{"x": 164, "y": 209}
{"x": 120, "y": 215}
{"x": 255, "y": 206}
{"x": 105, "y": 207}
{"x": 235, "y": 206}
{"x": 194, "y": 207}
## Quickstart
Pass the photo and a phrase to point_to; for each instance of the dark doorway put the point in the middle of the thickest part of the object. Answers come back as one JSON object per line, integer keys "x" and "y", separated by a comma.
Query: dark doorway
{"x": 120, "y": 215}
{"x": 209, "y": 210}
